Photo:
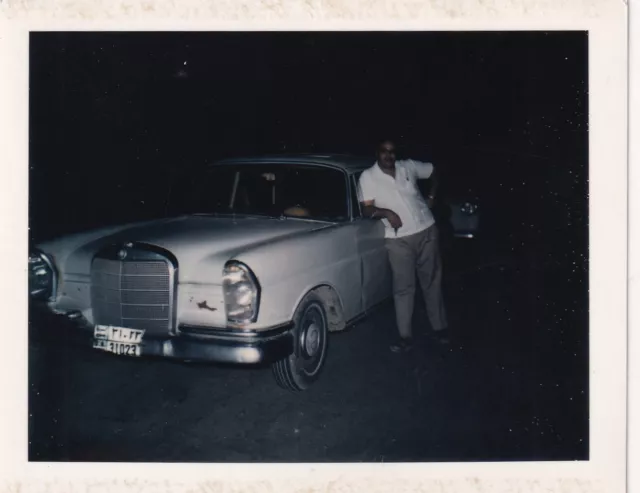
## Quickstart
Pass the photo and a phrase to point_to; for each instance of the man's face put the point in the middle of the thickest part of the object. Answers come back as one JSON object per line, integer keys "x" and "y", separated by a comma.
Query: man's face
{"x": 387, "y": 155}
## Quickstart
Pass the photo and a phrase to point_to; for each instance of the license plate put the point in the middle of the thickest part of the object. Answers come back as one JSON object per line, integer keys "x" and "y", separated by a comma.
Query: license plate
{"x": 118, "y": 340}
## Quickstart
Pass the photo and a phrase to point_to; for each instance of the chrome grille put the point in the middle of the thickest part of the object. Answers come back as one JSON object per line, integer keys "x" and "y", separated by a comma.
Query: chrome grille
{"x": 132, "y": 293}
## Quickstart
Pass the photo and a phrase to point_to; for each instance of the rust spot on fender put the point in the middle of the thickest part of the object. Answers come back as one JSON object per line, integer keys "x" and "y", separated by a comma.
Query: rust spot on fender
{"x": 203, "y": 305}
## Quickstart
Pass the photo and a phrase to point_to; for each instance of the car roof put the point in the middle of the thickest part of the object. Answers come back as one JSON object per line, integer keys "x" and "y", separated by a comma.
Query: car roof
{"x": 348, "y": 162}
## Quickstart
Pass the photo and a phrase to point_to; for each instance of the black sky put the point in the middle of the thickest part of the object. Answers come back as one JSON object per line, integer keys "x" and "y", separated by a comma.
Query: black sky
{"x": 109, "y": 111}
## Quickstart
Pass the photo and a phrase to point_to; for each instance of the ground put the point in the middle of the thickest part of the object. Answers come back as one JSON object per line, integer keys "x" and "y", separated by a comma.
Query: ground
{"x": 512, "y": 386}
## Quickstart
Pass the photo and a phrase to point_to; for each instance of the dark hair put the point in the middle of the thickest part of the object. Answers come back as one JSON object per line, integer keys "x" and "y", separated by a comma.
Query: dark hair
{"x": 382, "y": 141}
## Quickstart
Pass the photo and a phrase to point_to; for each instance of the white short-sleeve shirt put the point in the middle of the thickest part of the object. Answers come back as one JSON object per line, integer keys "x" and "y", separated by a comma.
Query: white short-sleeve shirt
{"x": 401, "y": 195}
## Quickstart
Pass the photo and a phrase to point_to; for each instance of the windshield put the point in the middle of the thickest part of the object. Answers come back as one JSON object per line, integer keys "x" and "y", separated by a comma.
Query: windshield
{"x": 275, "y": 190}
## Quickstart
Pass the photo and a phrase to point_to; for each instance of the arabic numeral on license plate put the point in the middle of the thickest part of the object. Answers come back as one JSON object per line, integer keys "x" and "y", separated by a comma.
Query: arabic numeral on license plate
{"x": 123, "y": 349}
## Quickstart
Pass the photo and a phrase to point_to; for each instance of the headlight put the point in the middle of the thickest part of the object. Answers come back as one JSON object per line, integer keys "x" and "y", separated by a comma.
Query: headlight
{"x": 42, "y": 277}
{"x": 468, "y": 208}
{"x": 241, "y": 293}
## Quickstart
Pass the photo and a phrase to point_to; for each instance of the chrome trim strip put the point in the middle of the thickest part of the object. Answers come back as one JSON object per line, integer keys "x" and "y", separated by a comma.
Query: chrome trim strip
{"x": 354, "y": 200}
{"x": 218, "y": 332}
{"x": 348, "y": 195}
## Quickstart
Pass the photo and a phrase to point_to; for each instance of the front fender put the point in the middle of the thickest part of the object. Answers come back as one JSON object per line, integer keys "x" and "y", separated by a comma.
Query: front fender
{"x": 289, "y": 268}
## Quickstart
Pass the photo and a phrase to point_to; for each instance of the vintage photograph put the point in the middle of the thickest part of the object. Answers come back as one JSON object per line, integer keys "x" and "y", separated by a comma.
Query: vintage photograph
{"x": 296, "y": 247}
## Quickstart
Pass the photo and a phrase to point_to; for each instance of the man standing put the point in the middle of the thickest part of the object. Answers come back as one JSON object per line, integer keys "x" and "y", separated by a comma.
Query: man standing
{"x": 388, "y": 190}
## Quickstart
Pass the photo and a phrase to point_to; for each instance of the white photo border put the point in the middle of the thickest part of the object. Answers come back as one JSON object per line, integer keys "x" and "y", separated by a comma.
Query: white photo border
{"x": 606, "y": 22}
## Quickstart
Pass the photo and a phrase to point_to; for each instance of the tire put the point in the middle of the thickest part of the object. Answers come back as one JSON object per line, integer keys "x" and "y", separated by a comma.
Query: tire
{"x": 300, "y": 369}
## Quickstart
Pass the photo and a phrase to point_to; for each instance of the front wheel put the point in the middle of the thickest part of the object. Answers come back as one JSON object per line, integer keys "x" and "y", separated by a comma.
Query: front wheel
{"x": 300, "y": 369}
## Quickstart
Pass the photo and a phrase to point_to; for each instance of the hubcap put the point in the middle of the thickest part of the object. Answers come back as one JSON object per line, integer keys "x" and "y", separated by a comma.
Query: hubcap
{"x": 312, "y": 340}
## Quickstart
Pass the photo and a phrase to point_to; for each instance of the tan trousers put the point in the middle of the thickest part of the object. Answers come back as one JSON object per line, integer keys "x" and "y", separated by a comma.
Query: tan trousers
{"x": 410, "y": 255}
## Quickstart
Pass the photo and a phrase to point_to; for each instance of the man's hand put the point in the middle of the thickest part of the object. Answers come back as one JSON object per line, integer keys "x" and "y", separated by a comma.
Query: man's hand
{"x": 372, "y": 211}
{"x": 393, "y": 218}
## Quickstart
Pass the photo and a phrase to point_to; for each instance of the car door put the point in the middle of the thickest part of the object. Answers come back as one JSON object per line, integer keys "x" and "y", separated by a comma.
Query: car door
{"x": 375, "y": 270}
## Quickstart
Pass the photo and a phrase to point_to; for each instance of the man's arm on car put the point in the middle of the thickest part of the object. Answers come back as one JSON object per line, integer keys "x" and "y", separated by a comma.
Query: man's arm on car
{"x": 370, "y": 210}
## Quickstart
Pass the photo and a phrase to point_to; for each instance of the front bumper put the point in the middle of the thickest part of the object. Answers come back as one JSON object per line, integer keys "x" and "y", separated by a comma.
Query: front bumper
{"x": 219, "y": 345}
{"x": 225, "y": 346}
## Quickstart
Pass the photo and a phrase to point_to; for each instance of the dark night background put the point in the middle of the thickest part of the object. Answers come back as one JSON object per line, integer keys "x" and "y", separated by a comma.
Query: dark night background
{"x": 115, "y": 115}
{"x": 117, "y": 119}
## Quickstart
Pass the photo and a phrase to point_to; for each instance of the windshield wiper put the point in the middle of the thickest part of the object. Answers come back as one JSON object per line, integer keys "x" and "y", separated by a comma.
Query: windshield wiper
{"x": 311, "y": 219}
{"x": 235, "y": 214}
{"x": 281, "y": 217}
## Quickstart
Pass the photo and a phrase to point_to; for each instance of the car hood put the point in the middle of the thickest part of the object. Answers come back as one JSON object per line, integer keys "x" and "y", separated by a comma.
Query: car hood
{"x": 201, "y": 244}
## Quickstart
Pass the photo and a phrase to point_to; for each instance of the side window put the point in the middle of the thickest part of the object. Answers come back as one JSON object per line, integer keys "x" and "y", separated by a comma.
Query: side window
{"x": 355, "y": 196}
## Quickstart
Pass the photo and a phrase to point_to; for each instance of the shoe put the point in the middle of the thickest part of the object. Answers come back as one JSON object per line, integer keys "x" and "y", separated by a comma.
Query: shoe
{"x": 442, "y": 336}
{"x": 402, "y": 346}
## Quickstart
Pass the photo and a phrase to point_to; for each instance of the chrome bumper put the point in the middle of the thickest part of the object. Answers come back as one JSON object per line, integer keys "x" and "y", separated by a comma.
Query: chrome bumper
{"x": 220, "y": 345}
